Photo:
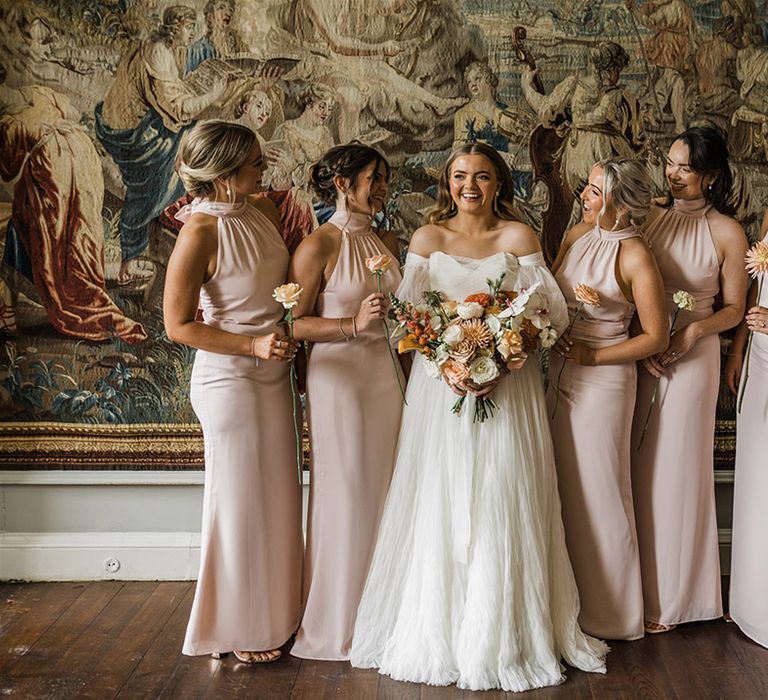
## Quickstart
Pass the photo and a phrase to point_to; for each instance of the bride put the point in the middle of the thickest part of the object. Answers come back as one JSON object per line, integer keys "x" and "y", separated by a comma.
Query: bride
{"x": 470, "y": 582}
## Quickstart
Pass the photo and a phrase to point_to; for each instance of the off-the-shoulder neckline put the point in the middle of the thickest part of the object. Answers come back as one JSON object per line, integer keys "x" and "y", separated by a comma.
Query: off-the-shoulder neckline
{"x": 468, "y": 259}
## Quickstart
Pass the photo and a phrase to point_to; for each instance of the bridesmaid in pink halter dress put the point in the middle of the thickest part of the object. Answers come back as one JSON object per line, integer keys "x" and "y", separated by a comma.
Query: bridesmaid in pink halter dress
{"x": 749, "y": 564}
{"x": 700, "y": 249}
{"x": 229, "y": 256}
{"x": 353, "y": 400}
{"x": 592, "y": 418}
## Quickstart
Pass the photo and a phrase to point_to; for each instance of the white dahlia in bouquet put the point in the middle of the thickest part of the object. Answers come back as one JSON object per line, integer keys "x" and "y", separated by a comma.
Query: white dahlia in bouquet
{"x": 470, "y": 343}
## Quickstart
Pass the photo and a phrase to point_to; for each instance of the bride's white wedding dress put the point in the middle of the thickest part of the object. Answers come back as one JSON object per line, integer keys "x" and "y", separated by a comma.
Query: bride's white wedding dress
{"x": 470, "y": 582}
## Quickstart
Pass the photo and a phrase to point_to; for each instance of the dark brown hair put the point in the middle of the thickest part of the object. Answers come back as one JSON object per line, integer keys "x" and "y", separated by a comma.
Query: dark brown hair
{"x": 503, "y": 204}
{"x": 347, "y": 161}
{"x": 708, "y": 155}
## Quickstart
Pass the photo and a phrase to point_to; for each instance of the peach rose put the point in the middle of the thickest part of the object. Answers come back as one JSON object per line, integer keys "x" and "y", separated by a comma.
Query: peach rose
{"x": 586, "y": 295}
{"x": 511, "y": 344}
{"x": 454, "y": 372}
{"x": 378, "y": 264}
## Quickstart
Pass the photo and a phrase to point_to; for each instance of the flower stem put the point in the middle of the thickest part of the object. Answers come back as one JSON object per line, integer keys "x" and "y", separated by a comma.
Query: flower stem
{"x": 389, "y": 346}
{"x": 562, "y": 367}
{"x": 656, "y": 388}
{"x": 295, "y": 401}
{"x": 743, "y": 384}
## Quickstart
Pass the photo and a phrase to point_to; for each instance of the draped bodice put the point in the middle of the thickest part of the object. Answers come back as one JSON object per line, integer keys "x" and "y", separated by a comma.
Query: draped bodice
{"x": 251, "y": 261}
{"x": 592, "y": 260}
{"x": 682, "y": 243}
{"x": 351, "y": 281}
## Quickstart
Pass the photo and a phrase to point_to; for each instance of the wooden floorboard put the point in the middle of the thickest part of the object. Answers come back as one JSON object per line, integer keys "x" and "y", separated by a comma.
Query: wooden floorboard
{"x": 123, "y": 640}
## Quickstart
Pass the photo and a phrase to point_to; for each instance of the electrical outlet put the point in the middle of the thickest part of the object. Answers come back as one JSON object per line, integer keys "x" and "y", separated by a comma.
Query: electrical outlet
{"x": 112, "y": 565}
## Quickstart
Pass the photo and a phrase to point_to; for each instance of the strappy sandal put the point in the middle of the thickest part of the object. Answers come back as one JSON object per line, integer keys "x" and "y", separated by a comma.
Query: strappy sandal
{"x": 656, "y": 627}
{"x": 258, "y": 657}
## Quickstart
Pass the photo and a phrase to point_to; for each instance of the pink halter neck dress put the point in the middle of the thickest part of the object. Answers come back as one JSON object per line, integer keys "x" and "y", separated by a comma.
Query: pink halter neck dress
{"x": 248, "y": 593}
{"x": 673, "y": 471}
{"x": 354, "y": 408}
{"x": 591, "y": 433}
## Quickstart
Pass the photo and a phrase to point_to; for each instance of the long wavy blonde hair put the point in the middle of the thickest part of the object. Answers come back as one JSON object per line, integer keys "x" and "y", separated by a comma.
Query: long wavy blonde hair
{"x": 503, "y": 202}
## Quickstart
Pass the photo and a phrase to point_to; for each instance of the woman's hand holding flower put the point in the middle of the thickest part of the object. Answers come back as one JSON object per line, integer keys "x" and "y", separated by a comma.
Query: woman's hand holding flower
{"x": 274, "y": 346}
{"x": 372, "y": 309}
{"x": 653, "y": 365}
{"x": 757, "y": 319}
{"x": 576, "y": 351}
{"x": 682, "y": 342}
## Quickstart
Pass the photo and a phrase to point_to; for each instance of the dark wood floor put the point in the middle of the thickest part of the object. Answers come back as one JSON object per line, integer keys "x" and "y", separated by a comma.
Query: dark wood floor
{"x": 109, "y": 639}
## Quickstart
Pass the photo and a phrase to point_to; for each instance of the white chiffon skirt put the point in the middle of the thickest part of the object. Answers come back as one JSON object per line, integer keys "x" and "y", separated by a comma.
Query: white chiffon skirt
{"x": 470, "y": 581}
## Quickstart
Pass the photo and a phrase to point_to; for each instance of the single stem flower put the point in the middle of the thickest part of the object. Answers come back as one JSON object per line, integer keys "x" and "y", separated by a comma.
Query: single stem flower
{"x": 288, "y": 295}
{"x": 378, "y": 265}
{"x": 684, "y": 302}
{"x": 743, "y": 385}
{"x": 585, "y": 295}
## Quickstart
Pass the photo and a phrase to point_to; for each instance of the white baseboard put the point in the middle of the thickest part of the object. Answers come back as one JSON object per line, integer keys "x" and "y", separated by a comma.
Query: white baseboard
{"x": 78, "y": 556}
{"x": 88, "y": 517}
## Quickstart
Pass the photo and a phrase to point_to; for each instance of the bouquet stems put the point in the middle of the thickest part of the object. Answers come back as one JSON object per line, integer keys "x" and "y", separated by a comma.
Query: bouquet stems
{"x": 743, "y": 383}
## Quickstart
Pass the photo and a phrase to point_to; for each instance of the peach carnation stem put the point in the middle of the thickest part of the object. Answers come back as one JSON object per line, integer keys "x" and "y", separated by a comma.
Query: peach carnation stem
{"x": 378, "y": 274}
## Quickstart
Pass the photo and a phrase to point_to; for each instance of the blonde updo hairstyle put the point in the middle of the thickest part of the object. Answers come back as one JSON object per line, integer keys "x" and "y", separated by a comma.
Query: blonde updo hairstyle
{"x": 211, "y": 150}
{"x": 626, "y": 188}
{"x": 503, "y": 202}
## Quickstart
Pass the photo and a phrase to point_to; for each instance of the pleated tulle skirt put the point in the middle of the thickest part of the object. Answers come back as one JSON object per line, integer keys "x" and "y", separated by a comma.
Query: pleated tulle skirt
{"x": 470, "y": 581}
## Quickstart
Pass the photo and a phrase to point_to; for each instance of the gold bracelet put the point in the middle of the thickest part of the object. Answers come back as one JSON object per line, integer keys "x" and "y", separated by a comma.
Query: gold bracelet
{"x": 253, "y": 346}
{"x": 341, "y": 328}
{"x": 354, "y": 327}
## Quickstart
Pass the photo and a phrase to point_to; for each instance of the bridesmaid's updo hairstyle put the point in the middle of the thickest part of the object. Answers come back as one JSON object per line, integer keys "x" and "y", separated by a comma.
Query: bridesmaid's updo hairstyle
{"x": 211, "y": 150}
{"x": 346, "y": 161}
{"x": 503, "y": 204}
{"x": 627, "y": 184}
{"x": 708, "y": 155}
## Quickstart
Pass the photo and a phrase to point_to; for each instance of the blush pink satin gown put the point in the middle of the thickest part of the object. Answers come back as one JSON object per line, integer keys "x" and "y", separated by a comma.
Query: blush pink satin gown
{"x": 248, "y": 593}
{"x": 749, "y": 561}
{"x": 673, "y": 471}
{"x": 354, "y": 408}
{"x": 591, "y": 432}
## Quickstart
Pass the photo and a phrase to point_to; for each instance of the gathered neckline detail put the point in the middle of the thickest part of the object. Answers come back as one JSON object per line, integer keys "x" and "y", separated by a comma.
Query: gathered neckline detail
{"x": 691, "y": 207}
{"x": 617, "y": 235}
{"x": 206, "y": 206}
{"x": 354, "y": 223}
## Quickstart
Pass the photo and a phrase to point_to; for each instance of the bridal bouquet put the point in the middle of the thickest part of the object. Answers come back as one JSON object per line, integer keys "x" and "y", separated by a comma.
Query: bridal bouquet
{"x": 470, "y": 343}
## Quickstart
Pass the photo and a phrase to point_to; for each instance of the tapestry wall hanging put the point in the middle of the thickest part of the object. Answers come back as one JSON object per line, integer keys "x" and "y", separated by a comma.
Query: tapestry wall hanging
{"x": 95, "y": 96}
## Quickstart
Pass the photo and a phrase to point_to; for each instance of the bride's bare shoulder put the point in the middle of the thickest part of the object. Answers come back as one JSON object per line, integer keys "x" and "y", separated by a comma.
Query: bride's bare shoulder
{"x": 426, "y": 240}
{"x": 520, "y": 239}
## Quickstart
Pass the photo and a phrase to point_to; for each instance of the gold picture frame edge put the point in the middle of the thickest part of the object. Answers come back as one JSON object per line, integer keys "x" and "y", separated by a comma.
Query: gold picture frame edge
{"x": 51, "y": 445}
